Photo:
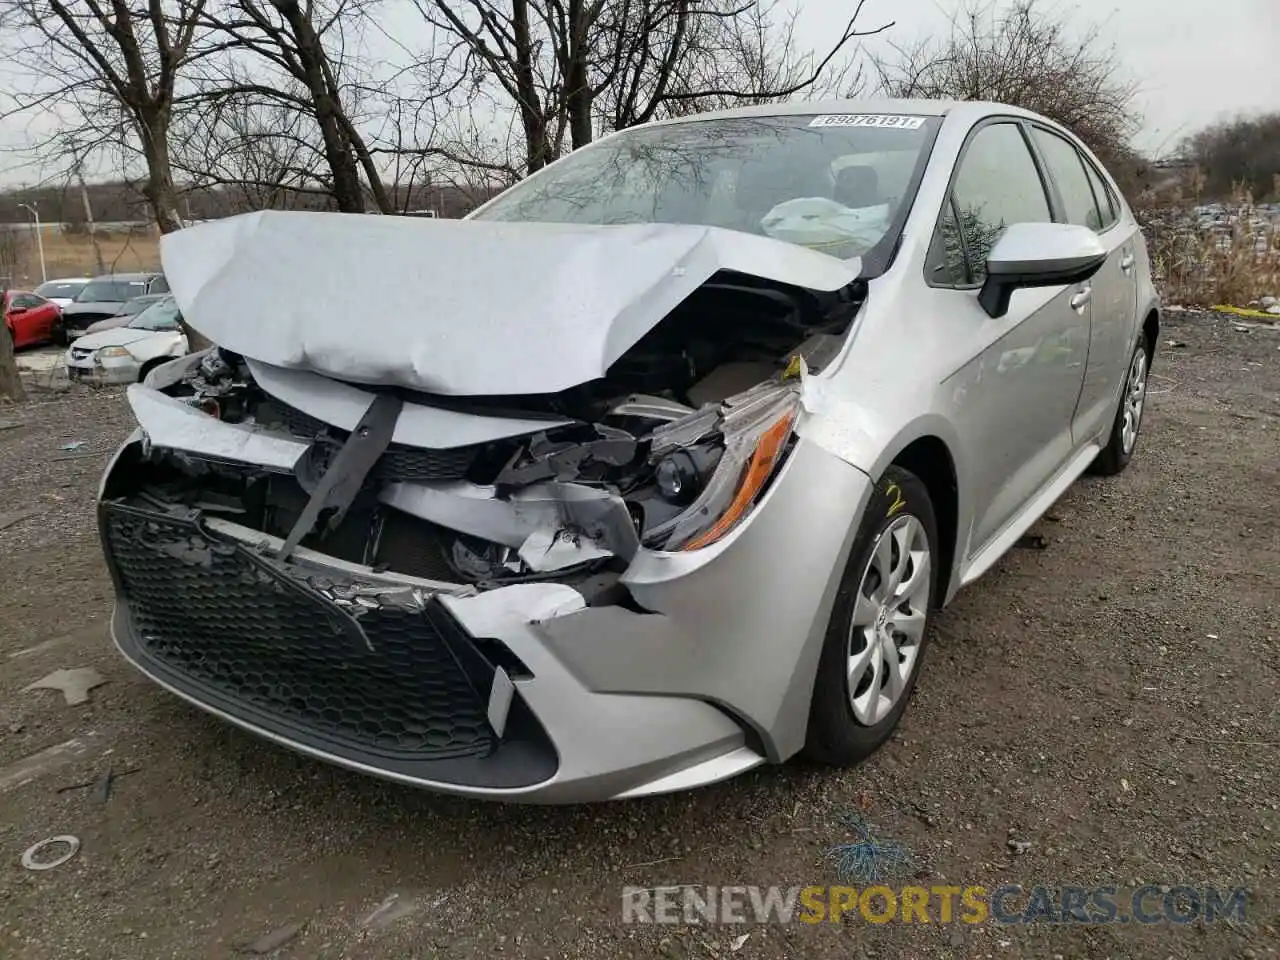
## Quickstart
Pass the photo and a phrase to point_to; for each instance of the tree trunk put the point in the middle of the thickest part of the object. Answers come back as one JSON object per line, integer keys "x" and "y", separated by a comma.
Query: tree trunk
{"x": 577, "y": 84}
{"x": 348, "y": 192}
{"x": 159, "y": 190}
{"x": 10, "y": 379}
{"x": 532, "y": 116}
{"x": 163, "y": 196}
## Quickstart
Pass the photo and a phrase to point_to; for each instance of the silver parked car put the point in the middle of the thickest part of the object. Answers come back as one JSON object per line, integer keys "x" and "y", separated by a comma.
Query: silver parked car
{"x": 102, "y": 297}
{"x": 660, "y": 469}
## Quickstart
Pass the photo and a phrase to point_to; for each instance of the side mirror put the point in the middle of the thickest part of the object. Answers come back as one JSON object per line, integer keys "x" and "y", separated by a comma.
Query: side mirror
{"x": 1038, "y": 255}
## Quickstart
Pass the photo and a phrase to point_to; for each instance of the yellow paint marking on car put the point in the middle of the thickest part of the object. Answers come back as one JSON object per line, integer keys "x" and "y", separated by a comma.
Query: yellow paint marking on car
{"x": 898, "y": 503}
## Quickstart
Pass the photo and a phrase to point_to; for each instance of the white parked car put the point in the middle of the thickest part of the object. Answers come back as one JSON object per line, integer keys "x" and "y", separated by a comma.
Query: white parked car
{"x": 62, "y": 291}
{"x": 127, "y": 354}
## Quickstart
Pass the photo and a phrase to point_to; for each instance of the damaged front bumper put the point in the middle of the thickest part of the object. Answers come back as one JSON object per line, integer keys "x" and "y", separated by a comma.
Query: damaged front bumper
{"x": 382, "y": 675}
{"x": 671, "y": 669}
{"x": 100, "y": 370}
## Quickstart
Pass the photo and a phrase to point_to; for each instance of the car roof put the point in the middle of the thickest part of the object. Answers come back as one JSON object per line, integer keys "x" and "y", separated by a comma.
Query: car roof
{"x": 961, "y": 109}
{"x": 126, "y": 276}
{"x": 67, "y": 280}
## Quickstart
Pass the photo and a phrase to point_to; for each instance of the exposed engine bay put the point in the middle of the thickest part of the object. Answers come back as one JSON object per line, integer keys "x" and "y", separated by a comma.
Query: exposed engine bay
{"x": 668, "y": 451}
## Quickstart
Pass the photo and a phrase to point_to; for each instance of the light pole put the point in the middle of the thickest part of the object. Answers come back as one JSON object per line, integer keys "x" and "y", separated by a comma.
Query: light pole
{"x": 39, "y": 238}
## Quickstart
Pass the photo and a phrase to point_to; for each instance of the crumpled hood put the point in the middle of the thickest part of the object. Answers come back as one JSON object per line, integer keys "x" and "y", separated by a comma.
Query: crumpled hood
{"x": 455, "y": 307}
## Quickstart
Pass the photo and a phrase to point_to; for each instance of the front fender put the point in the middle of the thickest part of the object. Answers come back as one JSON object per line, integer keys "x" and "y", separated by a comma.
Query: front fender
{"x": 741, "y": 626}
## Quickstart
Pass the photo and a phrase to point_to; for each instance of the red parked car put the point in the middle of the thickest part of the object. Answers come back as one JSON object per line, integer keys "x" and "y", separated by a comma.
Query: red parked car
{"x": 30, "y": 319}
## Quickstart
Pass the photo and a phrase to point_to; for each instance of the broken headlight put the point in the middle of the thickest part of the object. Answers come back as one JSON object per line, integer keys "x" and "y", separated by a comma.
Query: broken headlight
{"x": 728, "y": 455}
{"x": 681, "y": 475}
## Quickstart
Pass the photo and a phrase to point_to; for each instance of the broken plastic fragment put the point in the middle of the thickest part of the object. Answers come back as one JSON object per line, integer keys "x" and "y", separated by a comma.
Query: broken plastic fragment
{"x": 30, "y": 858}
{"x": 75, "y": 684}
{"x": 546, "y": 550}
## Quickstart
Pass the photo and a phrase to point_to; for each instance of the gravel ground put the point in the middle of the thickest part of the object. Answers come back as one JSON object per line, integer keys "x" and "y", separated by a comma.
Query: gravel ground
{"x": 1111, "y": 699}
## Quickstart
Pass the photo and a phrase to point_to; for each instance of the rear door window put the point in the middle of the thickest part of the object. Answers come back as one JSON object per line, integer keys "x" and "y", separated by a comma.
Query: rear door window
{"x": 1108, "y": 209}
{"x": 1068, "y": 173}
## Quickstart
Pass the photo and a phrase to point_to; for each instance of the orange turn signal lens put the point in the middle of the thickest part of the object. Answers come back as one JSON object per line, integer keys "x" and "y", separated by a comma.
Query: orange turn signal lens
{"x": 758, "y": 470}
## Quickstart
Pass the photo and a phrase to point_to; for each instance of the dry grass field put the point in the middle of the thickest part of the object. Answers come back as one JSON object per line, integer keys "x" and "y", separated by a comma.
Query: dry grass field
{"x": 69, "y": 255}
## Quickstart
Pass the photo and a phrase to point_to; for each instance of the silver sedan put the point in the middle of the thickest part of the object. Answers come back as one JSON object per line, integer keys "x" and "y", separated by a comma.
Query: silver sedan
{"x": 652, "y": 470}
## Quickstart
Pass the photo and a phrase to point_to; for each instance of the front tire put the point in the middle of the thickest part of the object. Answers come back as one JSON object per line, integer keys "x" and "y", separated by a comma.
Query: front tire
{"x": 879, "y": 626}
{"x": 1115, "y": 456}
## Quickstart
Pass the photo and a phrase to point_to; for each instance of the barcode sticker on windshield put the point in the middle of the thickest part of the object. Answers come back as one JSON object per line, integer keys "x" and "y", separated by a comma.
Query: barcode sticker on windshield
{"x": 868, "y": 120}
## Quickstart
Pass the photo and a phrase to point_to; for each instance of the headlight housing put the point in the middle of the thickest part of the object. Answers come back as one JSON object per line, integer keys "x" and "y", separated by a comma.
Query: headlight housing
{"x": 750, "y": 434}
{"x": 113, "y": 353}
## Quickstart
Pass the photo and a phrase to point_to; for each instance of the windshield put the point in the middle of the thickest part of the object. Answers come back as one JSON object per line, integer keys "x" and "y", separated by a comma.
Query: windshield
{"x": 111, "y": 291}
{"x": 158, "y": 316}
{"x": 137, "y": 305}
{"x": 834, "y": 183}
{"x": 55, "y": 290}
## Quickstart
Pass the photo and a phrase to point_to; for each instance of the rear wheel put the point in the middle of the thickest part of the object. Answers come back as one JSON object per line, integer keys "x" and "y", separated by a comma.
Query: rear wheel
{"x": 879, "y": 626}
{"x": 1115, "y": 456}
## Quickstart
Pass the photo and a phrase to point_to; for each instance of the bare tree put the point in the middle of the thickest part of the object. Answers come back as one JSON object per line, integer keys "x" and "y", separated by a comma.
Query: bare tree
{"x": 685, "y": 58}
{"x": 303, "y": 45}
{"x": 568, "y": 69}
{"x": 1026, "y": 56}
{"x": 116, "y": 65}
{"x": 257, "y": 152}
{"x": 1241, "y": 152}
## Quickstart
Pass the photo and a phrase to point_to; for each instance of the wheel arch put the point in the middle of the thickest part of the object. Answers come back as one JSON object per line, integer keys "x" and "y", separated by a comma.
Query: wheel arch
{"x": 929, "y": 458}
{"x": 1151, "y": 333}
{"x": 151, "y": 364}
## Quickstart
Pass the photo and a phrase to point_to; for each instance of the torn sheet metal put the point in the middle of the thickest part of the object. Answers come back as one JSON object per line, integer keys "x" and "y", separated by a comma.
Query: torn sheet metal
{"x": 651, "y": 408}
{"x": 547, "y": 550}
{"x": 321, "y": 564}
{"x": 470, "y": 509}
{"x": 837, "y": 425}
{"x": 167, "y": 374}
{"x": 175, "y": 425}
{"x": 547, "y": 459}
{"x": 492, "y": 613}
{"x": 342, "y": 405}
{"x": 502, "y": 308}
{"x": 595, "y": 514}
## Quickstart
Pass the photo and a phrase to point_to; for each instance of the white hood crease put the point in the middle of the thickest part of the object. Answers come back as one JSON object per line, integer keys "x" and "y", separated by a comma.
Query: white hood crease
{"x": 455, "y": 307}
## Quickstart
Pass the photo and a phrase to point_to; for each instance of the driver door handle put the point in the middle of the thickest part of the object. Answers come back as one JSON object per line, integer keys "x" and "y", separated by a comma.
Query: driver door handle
{"x": 1081, "y": 299}
{"x": 1126, "y": 262}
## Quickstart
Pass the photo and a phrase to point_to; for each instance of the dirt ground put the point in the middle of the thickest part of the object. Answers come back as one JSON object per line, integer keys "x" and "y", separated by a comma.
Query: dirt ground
{"x": 1112, "y": 699}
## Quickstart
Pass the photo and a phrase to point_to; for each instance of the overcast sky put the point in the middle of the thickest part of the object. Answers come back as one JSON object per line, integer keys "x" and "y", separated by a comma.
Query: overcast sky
{"x": 1195, "y": 61}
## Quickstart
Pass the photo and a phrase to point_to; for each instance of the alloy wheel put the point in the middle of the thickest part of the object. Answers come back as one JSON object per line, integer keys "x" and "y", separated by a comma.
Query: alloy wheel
{"x": 888, "y": 619}
{"x": 1135, "y": 395}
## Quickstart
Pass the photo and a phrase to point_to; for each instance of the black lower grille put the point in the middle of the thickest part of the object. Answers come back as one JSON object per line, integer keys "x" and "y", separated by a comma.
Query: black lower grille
{"x": 232, "y": 625}
{"x": 400, "y": 463}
